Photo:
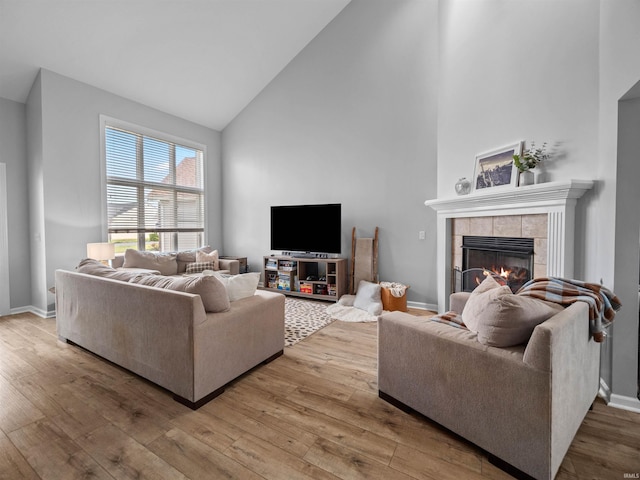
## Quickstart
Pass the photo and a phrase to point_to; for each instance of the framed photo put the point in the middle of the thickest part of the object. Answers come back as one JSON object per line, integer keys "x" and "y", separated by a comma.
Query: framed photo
{"x": 495, "y": 168}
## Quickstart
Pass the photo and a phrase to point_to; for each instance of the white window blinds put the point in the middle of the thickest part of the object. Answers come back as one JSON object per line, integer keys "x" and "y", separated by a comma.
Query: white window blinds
{"x": 155, "y": 191}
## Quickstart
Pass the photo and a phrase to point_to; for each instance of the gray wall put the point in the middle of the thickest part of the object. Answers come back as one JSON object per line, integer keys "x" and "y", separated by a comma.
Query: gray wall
{"x": 13, "y": 152}
{"x": 351, "y": 120}
{"x": 620, "y": 166}
{"x": 627, "y": 248}
{"x": 66, "y": 194}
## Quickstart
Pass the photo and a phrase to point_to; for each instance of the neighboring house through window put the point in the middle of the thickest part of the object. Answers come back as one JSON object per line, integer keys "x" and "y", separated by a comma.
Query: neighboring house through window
{"x": 154, "y": 189}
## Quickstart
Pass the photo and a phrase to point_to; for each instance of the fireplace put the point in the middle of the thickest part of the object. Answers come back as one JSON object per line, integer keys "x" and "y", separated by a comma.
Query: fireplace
{"x": 510, "y": 259}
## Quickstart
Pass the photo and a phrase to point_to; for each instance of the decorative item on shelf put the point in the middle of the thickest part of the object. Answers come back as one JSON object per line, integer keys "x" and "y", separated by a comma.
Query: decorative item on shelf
{"x": 526, "y": 177}
{"x": 530, "y": 159}
{"x": 496, "y": 169}
{"x": 463, "y": 186}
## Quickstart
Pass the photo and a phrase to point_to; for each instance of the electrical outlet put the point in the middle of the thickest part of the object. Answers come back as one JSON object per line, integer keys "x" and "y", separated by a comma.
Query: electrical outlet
{"x": 422, "y": 235}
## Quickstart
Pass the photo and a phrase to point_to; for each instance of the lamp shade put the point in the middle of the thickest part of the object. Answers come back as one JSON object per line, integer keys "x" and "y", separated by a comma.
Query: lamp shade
{"x": 101, "y": 251}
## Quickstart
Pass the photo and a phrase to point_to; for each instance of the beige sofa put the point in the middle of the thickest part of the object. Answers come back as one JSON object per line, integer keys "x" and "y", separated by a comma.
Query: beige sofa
{"x": 182, "y": 259}
{"x": 166, "y": 336}
{"x": 521, "y": 404}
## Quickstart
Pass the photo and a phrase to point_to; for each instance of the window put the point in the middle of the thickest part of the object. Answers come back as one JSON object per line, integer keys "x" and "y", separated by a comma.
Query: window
{"x": 155, "y": 193}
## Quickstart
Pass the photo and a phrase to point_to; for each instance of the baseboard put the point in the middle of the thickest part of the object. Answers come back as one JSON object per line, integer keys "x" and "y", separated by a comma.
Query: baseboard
{"x": 423, "y": 306}
{"x": 624, "y": 403}
{"x": 31, "y": 309}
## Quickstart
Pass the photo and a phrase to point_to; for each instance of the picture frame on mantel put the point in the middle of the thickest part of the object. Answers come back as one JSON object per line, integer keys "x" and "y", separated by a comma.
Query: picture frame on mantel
{"x": 495, "y": 169}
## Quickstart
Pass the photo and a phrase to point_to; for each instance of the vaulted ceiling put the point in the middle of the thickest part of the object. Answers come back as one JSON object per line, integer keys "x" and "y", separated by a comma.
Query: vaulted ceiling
{"x": 201, "y": 60}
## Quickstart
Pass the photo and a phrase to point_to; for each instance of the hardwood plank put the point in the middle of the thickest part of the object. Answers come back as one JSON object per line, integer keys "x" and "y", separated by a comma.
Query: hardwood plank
{"x": 13, "y": 366}
{"x": 338, "y": 372}
{"x": 348, "y": 464}
{"x": 196, "y": 459}
{"x": 273, "y": 463}
{"x": 125, "y": 458}
{"x": 287, "y": 370}
{"x": 53, "y": 455}
{"x": 208, "y": 429}
{"x": 285, "y": 430}
{"x": 375, "y": 415}
{"x": 296, "y": 443}
{"x": 358, "y": 439}
{"x": 139, "y": 416}
{"x": 17, "y": 411}
{"x": 13, "y": 465}
{"x": 422, "y": 465}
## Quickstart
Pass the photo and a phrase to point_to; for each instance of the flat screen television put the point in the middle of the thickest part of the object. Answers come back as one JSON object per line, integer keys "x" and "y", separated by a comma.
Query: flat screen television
{"x": 307, "y": 228}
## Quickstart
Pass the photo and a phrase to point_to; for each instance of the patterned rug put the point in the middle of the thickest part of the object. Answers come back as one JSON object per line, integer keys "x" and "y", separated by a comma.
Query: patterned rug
{"x": 302, "y": 318}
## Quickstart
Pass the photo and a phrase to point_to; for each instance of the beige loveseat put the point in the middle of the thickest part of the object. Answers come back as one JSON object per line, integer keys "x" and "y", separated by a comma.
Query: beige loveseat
{"x": 522, "y": 404}
{"x": 167, "y": 336}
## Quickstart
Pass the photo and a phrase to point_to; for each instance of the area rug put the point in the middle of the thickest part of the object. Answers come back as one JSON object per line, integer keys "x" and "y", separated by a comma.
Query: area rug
{"x": 302, "y": 318}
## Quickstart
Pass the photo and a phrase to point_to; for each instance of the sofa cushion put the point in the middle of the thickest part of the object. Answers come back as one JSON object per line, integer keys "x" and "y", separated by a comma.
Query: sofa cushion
{"x": 368, "y": 298}
{"x": 211, "y": 257}
{"x": 94, "y": 267}
{"x": 509, "y": 320}
{"x": 185, "y": 257}
{"x": 197, "y": 267}
{"x": 211, "y": 290}
{"x": 478, "y": 300}
{"x": 165, "y": 263}
{"x": 240, "y": 286}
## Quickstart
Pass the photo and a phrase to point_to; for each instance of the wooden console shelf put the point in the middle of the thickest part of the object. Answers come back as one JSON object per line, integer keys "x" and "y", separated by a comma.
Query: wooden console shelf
{"x": 317, "y": 278}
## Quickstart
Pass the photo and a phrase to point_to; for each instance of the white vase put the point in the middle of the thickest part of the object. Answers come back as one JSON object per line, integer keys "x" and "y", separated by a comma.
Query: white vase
{"x": 526, "y": 178}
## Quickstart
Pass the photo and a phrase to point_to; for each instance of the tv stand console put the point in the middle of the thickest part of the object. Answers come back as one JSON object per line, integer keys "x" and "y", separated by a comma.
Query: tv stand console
{"x": 314, "y": 278}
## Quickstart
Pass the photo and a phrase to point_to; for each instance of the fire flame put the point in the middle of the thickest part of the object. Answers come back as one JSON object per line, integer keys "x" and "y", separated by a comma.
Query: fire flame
{"x": 506, "y": 274}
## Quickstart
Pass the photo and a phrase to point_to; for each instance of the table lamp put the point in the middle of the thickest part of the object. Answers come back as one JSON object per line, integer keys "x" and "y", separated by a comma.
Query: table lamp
{"x": 101, "y": 251}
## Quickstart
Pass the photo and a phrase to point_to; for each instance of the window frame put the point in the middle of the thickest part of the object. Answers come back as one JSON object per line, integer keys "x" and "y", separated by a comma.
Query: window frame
{"x": 107, "y": 121}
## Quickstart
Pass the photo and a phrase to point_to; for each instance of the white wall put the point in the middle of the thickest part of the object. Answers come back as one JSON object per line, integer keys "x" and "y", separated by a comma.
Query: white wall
{"x": 14, "y": 154}
{"x": 66, "y": 182}
{"x": 35, "y": 169}
{"x": 5, "y": 296}
{"x": 500, "y": 82}
{"x": 351, "y": 120}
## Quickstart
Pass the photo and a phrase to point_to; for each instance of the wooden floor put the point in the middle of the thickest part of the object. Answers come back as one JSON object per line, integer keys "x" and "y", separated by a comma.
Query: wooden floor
{"x": 312, "y": 413}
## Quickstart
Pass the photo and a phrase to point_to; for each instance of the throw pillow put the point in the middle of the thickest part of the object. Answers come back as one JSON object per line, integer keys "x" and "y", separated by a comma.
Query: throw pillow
{"x": 478, "y": 300}
{"x": 368, "y": 298}
{"x": 186, "y": 257}
{"x": 211, "y": 290}
{"x": 165, "y": 263}
{"x": 208, "y": 257}
{"x": 509, "y": 320}
{"x": 197, "y": 267}
{"x": 240, "y": 286}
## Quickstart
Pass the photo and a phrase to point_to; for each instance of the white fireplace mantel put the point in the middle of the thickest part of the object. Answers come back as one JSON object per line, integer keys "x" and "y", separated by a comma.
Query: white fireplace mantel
{"x": 556, "y": 199}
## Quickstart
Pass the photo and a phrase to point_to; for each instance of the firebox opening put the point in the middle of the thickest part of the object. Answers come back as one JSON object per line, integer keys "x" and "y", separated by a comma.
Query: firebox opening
{"x": 510, "y": 258}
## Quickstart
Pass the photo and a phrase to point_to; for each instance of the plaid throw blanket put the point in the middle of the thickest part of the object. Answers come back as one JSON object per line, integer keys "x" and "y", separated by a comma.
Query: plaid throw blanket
{"x": 603, "y": 304}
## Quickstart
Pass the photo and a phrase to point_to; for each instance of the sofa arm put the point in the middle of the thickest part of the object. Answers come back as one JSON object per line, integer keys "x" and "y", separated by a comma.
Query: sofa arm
{"x": 232, "y": 265}
{"x": 458, "y": 300}
{"x": 563, "y": 340}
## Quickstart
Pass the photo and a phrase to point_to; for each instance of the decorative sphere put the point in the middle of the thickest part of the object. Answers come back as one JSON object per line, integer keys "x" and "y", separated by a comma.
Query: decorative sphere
{"x": 463, "y": 186}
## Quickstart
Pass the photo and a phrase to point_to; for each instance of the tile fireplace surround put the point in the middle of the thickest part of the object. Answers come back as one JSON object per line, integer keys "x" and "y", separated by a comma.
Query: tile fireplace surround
{"x": 544, "y": 212}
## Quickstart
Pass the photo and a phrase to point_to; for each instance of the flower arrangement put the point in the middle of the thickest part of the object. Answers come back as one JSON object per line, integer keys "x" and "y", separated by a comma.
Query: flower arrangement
{"x": 531, "y": 157}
